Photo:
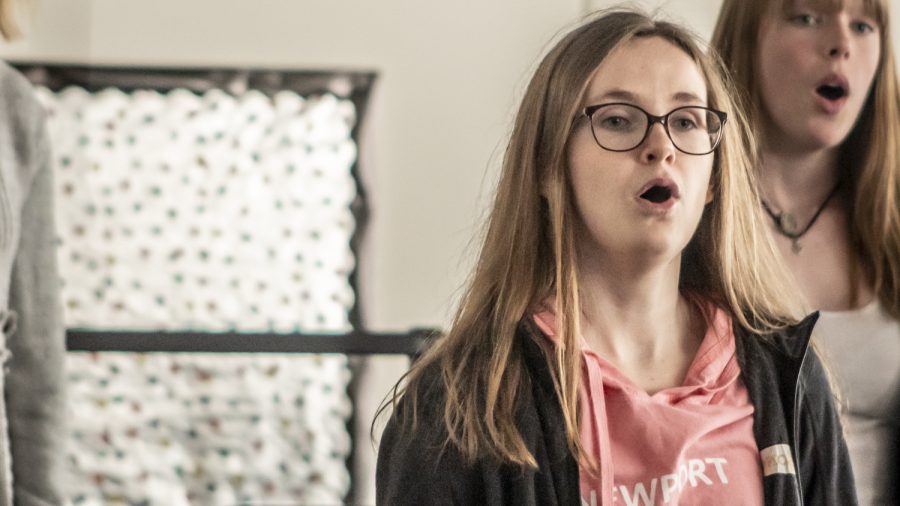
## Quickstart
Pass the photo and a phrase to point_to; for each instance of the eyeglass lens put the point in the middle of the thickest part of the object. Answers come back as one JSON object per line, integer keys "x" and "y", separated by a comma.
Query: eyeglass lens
{"x": 622, "y": 127}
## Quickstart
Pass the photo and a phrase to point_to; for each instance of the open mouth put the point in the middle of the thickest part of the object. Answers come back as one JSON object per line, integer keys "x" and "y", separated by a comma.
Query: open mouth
{"x": 658, "y": 194}
{"x": 831, "y": 91}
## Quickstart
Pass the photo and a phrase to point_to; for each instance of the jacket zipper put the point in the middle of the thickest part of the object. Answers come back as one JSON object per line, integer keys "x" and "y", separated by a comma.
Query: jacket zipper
{"x": 795, "y": 448}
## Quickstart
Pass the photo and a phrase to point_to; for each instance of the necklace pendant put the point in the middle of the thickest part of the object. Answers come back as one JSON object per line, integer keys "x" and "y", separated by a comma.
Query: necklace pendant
{"x": 788, "y": 223}
{"x": 795, "y": 247}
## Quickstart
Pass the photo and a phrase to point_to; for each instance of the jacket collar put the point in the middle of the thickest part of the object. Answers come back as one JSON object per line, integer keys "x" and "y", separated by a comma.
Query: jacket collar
{"x": 792, "y": 340}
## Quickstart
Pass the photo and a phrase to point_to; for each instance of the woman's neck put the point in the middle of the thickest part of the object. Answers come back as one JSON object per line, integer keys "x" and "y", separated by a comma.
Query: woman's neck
{"x": 634, "y": 317}
{"x": 798, "y": 181}
{"x": 827, "y": 268}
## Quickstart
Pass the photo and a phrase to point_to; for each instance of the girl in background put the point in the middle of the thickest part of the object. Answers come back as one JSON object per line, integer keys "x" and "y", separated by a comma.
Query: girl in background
{"x": 32, "y": 345}
{"x": 628, "y": 335}
{"x": 820, "y": 79}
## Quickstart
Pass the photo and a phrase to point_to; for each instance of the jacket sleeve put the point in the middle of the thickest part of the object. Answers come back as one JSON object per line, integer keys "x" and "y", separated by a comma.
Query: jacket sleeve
{"x": 34, "y": 383}
{"x": 415, "y": 469}
{"x": 825, "y": 469}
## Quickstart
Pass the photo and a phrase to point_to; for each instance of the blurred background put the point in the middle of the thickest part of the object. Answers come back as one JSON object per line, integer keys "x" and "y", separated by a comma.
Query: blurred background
{"x": 445, "y": 80}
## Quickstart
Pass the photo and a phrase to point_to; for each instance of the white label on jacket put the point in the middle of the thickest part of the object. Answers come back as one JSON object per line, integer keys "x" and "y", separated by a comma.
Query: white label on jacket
{"x": 777, "y": 459}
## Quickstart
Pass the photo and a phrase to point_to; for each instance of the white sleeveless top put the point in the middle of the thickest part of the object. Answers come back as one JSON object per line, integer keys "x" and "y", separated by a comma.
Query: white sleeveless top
{"x": 861, "y": 348}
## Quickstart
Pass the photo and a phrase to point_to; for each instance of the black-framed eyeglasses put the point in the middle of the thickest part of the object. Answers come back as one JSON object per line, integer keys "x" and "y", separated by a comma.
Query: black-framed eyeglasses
{"x": 693, "y": 130}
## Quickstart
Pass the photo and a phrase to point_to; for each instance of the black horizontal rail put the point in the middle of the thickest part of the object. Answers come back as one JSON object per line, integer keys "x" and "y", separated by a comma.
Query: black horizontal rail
{"x": 411, "y": 343}
{"x": 233, "y": 80}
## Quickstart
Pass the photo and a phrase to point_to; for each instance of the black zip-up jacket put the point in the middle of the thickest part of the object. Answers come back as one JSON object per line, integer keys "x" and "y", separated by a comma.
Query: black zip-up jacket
{"x": 794, "y": 413}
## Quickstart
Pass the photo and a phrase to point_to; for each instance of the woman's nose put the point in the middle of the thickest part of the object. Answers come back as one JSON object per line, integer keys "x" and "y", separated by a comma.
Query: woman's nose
{"x": 657, "y": 145}
{"x": 838, "y": 44}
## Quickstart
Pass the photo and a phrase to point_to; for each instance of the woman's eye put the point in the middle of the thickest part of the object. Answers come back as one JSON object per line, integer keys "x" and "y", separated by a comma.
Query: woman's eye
{"x": 614, "y": 122}
{"x": 862, "y": 27}
{"x": 684, "y": 124}
{"x": 804, "y": 19}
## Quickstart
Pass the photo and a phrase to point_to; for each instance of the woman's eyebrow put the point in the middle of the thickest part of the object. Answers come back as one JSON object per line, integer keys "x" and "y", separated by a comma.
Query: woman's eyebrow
{"x": 687, "y": 97}
{"x": 627, "y": 96}
{"x": 615, "y": 94}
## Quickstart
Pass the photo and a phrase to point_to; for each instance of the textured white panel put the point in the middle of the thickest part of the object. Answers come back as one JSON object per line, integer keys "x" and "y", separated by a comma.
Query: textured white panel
{"x": 208, "y": 212}
{"x": 212, "y": 212}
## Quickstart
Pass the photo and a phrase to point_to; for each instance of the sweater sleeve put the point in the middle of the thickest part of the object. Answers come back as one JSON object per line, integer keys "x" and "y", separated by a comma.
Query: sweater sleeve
{"x": 825, "y": 469}
{"x": 34, "y": 384}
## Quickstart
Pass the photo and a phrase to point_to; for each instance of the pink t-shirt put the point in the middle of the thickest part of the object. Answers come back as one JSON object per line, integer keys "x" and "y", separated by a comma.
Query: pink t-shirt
{"x": 691, "y": 444}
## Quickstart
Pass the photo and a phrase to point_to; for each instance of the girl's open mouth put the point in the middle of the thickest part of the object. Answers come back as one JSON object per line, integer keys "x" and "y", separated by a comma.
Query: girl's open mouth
{"x": 658, "y": 195}
{"x": 831, "y": 92}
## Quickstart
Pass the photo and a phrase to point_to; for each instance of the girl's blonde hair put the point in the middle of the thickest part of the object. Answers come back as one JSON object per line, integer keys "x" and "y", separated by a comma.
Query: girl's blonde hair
{"x": 528, "y": 253}
{"x": 869, "y": 156}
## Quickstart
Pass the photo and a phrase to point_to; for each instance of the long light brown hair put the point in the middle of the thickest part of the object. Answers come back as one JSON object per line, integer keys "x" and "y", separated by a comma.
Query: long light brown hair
{"x": 528, "y": 254}
{"x": 870, "y": 156}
